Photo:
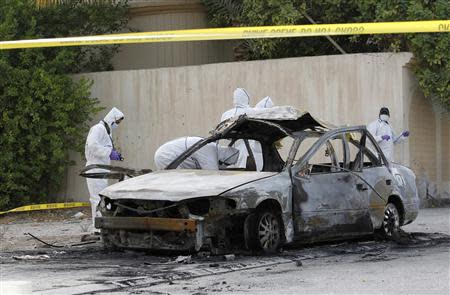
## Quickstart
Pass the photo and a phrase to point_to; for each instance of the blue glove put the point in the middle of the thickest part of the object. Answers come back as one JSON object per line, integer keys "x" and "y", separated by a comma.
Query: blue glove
{"x": 115, "y": 155}
{"x": 405, "y": 133}
{"x": 385, "y": 137}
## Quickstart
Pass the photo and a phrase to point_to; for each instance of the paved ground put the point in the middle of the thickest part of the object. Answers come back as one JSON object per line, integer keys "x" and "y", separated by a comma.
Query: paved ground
{"x": 419, "y": 264}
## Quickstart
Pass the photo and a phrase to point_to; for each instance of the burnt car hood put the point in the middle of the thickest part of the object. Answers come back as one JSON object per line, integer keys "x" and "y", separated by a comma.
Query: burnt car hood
{"x": 177, "y": 185}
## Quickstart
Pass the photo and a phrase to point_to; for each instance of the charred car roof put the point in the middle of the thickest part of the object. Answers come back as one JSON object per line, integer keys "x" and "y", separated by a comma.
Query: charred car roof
{"x": 270, "y": 124}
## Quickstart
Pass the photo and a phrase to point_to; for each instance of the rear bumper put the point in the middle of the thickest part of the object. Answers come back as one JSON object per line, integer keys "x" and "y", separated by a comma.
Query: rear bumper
{"x": 151, "y": 233}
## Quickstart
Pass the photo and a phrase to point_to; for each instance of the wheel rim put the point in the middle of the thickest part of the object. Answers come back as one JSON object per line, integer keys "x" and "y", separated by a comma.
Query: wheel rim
{"x": 269, "y": 232}
{"x": 391, "y": 222}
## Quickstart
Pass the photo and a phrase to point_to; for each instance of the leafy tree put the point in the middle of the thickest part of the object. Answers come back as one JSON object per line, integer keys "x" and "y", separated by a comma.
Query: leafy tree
{"x": 44, "y": 112}
{"x": 431, "y": 51}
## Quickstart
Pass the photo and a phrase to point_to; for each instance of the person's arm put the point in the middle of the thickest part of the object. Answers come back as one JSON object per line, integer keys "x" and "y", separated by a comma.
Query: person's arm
{"x": 400, "y": 138}
{"x": 94, "y": 146}
{"x": 373, "y": 128}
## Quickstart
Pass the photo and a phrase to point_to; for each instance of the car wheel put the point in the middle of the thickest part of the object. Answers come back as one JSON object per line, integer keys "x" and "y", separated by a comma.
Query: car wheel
{"x": 391, "y": 221}
{"x": 262, "y": 232}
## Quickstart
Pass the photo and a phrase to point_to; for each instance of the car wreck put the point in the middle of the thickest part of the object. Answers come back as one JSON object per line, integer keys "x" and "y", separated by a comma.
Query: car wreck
{"x": 318, "y": 182}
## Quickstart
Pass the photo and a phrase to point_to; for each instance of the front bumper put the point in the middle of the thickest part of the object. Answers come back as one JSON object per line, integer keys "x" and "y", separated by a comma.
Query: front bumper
{"x": 152, "y": 233}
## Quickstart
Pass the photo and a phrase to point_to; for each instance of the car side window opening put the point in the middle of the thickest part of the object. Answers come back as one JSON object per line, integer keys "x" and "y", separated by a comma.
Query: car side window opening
{"x": 372, "y": 151}
{"x": 363, "y": 153}
{"x": 251, "y": 147}
{"x": 329, "y": 156}
{"x": 260, "y": 154}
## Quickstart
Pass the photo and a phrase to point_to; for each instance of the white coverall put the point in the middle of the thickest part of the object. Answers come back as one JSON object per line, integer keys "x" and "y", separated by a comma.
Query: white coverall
{"x": 97, "y": 150}
{"x": 264, "y": 103}
{"x": 241, "y": 102}
{"x": 378, "y": 128}
{"x": 206, "y": 158}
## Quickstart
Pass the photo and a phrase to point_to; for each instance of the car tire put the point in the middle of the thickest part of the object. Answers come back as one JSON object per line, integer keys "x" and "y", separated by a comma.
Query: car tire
{"x": 390, "y": 227}
{"x": 262, "y": 232}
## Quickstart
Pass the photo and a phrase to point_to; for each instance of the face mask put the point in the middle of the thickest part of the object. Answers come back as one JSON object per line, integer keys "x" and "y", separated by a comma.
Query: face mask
{"x": 384, "y": 118}
{"x": 114, "y": 125}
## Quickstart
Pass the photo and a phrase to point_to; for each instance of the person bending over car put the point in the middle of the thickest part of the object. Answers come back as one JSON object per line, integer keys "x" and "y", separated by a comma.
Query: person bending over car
{"x": 208, "y": 157}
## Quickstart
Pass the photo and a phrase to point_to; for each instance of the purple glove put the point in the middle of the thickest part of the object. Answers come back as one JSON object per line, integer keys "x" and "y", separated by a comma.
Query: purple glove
{"x": 405, "y": 133}
{"x": 385, "y": 137}
{"x": 115, "y": 155}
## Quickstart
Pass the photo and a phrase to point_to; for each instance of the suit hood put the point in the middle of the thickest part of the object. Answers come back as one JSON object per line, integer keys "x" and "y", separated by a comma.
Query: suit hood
{"x": 113, "y": 115}
{"x": 241, "y": 98}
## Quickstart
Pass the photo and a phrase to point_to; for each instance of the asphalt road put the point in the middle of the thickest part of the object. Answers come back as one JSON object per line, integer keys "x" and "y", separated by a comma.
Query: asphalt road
{"x": 418, "y": 264}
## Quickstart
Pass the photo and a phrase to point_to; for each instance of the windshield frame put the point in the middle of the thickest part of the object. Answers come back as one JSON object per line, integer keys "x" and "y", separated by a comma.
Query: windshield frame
{"x": 224, "y": 133}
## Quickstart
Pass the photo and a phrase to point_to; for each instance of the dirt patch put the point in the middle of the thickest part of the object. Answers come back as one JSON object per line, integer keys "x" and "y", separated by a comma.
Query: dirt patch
{"x": 58, "y": 227}
{"x": 44, "y": 216}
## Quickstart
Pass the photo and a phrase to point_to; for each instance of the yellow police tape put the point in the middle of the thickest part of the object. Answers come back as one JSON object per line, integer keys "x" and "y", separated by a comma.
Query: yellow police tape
{"x": 46, "y": 207}
{"x": 239, "y": 33}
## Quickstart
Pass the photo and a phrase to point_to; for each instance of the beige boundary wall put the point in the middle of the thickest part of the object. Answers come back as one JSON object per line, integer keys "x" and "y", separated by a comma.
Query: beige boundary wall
{"x": 159, "y": 15}
{"x": 162, "y": 104}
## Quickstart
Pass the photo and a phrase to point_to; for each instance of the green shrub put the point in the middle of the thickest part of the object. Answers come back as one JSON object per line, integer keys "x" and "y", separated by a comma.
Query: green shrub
{"x": 44, "y": 113}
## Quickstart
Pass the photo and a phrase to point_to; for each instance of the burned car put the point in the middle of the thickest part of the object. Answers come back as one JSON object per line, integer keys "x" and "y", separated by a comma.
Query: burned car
{"x": 318, "y": 182}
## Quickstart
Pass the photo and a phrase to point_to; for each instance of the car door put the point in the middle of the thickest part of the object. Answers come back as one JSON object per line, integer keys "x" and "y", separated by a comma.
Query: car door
{"x": 326, "y": 200}
{"x": 371, "y": 165}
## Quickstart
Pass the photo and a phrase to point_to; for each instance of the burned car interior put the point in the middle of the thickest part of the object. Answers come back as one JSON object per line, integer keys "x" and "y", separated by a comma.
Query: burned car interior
{"x": 266, "y": 132}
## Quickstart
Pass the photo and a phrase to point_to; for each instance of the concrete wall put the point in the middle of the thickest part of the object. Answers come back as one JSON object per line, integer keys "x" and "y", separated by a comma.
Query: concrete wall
{"x": 445, "y": 162}
{"x": 154, "y": 15}
{"x": 430, "y": 144}
{"x": 162, "y": 104}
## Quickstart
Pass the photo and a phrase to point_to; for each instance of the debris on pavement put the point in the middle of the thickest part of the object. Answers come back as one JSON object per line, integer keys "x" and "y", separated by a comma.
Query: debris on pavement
{"x": 79, "y": 215}
{"x": 204, "y": 254}
{"x": 31, "y": 257}
{"x": 184, "y": 259}
{"x": 43, "y": 242}
{"x": 83, "y": 243}
{"x": 90, "y": 237}
{"x": 229, "y": 257}
{"x": 84, "y": 227}
{"x": 373, "y": 254}
{"x": 59, "y": 252}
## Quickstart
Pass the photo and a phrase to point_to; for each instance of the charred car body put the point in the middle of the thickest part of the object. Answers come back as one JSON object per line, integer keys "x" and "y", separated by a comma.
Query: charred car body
{"x": 318, "y": 182}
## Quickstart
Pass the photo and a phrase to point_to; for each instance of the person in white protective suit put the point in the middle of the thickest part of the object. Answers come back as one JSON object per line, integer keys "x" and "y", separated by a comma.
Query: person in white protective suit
{"x": 241, "y": 102}
{"x": 385, "y": 135}
{"x": 208, "y": 157}
{"x": 264, "y": 103}
{"x": 99, "y": 149}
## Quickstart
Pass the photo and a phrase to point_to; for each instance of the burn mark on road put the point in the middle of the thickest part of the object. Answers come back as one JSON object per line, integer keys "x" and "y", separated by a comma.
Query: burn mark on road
{"x": 131, "y": 271}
